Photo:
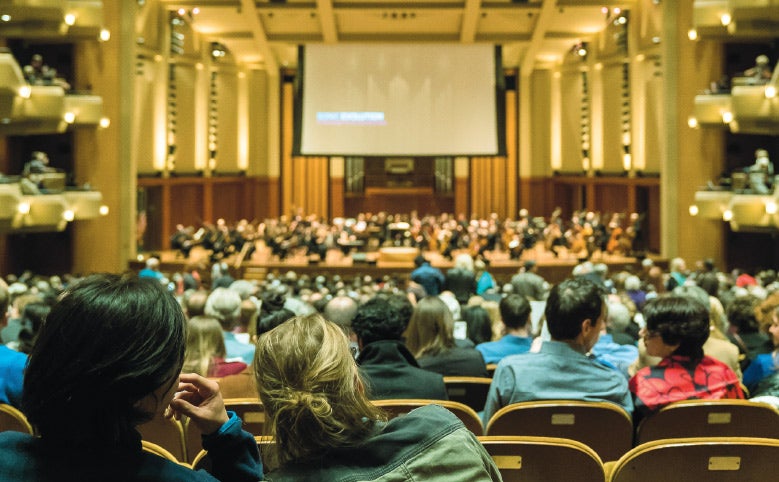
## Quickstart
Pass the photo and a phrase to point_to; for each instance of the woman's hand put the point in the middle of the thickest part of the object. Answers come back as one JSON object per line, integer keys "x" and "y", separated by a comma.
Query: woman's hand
{"x": 199, "y": 399}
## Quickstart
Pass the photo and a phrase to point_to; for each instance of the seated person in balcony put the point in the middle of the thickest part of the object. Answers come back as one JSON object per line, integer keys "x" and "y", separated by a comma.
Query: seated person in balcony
{"x": 760, "y": 73}
{"x": 562, "y": 370}
{"x": 676, "y": 329}
{"x": 38, "y": 164}
{"x": 326, "y": 428}
{"x": 38, "y": 73}
{"x": 761, "y": 173}
{"x": 389, "y": 368}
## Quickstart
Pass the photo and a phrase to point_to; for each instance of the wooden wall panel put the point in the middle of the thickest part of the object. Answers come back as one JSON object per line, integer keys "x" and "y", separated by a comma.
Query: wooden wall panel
{"x": 336, "y": 207}
{"x": 186, "y": 206}
{"x": 228, "y": 201}
{"x": 536, "y": 195}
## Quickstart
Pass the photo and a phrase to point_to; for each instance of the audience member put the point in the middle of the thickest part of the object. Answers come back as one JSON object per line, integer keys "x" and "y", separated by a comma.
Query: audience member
{"x": 676, "y": 329}
{"x": 430, "y": 338}
{"x": 515, "y": 313}
{"x": 561, "y": 370}
{"x": 152, "y": 270}
{"x": 634, "y": 291}
{"x": 618, "y": 356}
{"x": 677, "y": 275}
{"x": 194, "y": 302}
{"x": 745, "y": 330}
{"x": 224, "y": 305}
{"x": 12, "y": 363}
{"x": 341, "y": 311}
{"x": 389, "y": 368}
{"x": 326, "y": 429}
{"x": 485, "y": 282}
{"x": 461, "y": 279}
{"x": 430, "y": 278}
{"x": 108, "y": 359}
{"x": 764, "y": 365}
{"x": 205, "y": 351}
{"x": 478, "y": 323}
{"x": 617, "y": 323}
{"x": 529, "y": 284}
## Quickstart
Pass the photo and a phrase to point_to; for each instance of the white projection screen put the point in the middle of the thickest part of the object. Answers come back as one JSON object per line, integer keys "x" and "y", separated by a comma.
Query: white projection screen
{"x": 399, "y": 99}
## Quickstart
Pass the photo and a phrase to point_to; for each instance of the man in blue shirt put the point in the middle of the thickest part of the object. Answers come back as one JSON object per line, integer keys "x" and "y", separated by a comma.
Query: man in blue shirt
{"x": 12, "y": 363}
{"x": 575, "y": 315}
{"x": 431, "y": 279}
{"x": 515, "y": 313}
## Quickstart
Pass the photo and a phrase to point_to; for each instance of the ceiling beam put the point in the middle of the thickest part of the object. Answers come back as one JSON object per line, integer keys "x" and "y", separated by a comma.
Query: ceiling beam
{"x": 259, "y": 36}
{"x": 539, "y": 32}
{"x": 470, "y": 21}
{"x": 327, "y": 20}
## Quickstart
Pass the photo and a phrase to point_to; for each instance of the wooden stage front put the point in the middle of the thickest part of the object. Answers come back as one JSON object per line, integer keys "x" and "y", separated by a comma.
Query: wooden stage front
{"x": 377, "y": 265}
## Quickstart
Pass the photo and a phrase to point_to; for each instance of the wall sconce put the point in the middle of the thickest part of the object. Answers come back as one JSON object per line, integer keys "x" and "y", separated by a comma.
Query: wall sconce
{"x": 693, "y": 210}
{"x": 25, "y": 91}
{"x": 105, "y": 122}
{"x": 68, "y": 215}
{"x": 218, "y": 50}
{"x": 727, "y": 215}
{"x": 770, "y": 207}
{"x": 725, "y": 19}
{"x": 727, "y": 117}
{"x": 580, "y": 49}
{"x": 692, "y": 122}
{"x": 23, "y": 208}
{"x": 105, "y": 35}
{"x": 69, "y": 117}
{"x": 692, "y": 34}
{"x": 103, "y": 210}
{"x": 70, "y": 19}
{"x": 770, "y": 92}
{"x": 5, "y": 17}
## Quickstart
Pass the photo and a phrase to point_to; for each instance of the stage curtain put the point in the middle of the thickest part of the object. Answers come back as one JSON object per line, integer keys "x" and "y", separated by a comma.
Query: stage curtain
{"x": 305, "y": 180}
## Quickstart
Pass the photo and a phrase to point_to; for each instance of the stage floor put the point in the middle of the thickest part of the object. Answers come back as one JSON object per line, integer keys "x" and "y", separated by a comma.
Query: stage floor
{"x": 261, "y": 263}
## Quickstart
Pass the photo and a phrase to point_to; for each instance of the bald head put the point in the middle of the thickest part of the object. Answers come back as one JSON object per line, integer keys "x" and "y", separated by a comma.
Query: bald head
{"x": 341, "y": 310}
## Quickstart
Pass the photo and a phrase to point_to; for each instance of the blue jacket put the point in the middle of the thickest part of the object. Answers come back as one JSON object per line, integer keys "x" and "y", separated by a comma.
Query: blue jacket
{"x": 12, "y": 364}
{"x": 31, "y": 459}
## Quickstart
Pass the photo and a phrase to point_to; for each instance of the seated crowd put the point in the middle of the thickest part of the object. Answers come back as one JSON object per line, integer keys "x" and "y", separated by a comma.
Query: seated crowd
{"x": 78, "y": 361}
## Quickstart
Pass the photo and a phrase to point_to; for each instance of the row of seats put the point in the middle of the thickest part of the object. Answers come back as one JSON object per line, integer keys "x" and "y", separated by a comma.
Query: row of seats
{"x": 550, "y": 459}
{"x": 724, "y": 440}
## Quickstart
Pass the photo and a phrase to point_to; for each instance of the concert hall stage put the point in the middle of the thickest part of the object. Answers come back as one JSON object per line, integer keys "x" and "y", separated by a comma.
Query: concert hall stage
{"x": 377, "y": 265}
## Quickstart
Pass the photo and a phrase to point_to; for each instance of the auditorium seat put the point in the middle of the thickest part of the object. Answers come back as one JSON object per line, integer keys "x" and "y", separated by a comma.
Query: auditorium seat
{"x": 710, "y": 459}
{"x": 12, "y": 419}
{"x": 402, "y": 406}
{"x": 603, "y": 426}
{"x": 543, "y": 459}
{"x": 155, "y": 449}
{"x": 264, "y": 443}
{"x": 710, "y": 418}
{"x": 471, "y": 391}
{"x": 167, "y": 433}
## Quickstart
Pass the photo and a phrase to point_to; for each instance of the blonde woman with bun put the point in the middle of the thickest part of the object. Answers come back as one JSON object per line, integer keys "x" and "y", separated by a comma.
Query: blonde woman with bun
{"x": 326, "y": 429}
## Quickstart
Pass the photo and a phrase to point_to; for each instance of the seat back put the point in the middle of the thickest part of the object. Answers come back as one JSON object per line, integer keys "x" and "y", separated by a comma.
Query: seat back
{"x": 491, "y": 367}
{"x": 402, "y": 406}
{"x": 471, "y": 391}
{"x": 543, "y": 459}
{"x": 251, "y": 412}
{"x": 157, "y": 450}
{"x": 167, "y": 433}
{"x": 265, "y": 443}
{"x": 240, "y": 385}
{"x": 713, "y": 459}
{"x": 13, "y": 420}
{"x": 602, "y": 426}
{"x": 710, "y": 418}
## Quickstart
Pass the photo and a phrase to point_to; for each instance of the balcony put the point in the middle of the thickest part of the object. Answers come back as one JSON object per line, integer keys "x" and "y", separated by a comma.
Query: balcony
{"x": 40, "y": 109}
{"x": 744, "y": 212}
{"x": 736, "y": 18}
{"x": 41, "y": 19}
{"x": 22, "y": 213}
{"x": 713, "y": 110}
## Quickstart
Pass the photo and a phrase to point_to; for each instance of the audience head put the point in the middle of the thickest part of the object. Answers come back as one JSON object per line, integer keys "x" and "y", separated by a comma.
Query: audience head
{"x": 106, "y": 360}
{"x": 341, "y": 310}
{"x": 573, "y": 307}
{"x": 514, "y": 311}
{"x": 632, "y": 283}
{"x": 311, "y": 389}
{"x": 378, "y": 320}
{"x": 464, "y": 261}
{"x": 273, "y": 319}
{"x": 676, "y": 325}
{"x": 4, "y": 302}
{"x": 431, "y": 330}
{"x": 479, "y": 324}
{"x": 195, "y": 303}
{"x": 403, "y": 306}
{"x": 225, "y": 305}
{"x": 742, "y": 314}
{"x": 618, "y": 318}
{"x": 419, "y": 261}
{"x": 33, "y": 317}
{"x": 204, "y": 342}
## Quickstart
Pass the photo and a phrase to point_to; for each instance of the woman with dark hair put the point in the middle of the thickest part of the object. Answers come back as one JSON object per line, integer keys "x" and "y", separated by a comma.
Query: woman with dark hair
{"x": 676, "y": 329}
{"x": 33, "y": 316}
{"x": 479, "y": 324}
{"x": 108, "y": 359}
{"x": 327, "y": 429}
{"x": 430, "y": 337}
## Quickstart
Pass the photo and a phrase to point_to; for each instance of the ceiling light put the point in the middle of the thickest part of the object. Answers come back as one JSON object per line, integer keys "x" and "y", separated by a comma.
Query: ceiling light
{"x": 770, "y": 207}
{"x": 105, "y": 35}
{"x": 725, "y": 18}
{"x": 182, "y": 12}
{"x": 105, "y": 122}
{"x": 770, "y": 92}
{"x": 70, "y": 19}
{"x": 25, "y": 91}
{"x": 727, "y": 117}
{"x": 727, "y": 215}
{"x": 68, "y": 215}
{"x": 69, "y": 117}
{"x": 692, "y": 122}
{"x": 692, "y": 34}
{"x": 5, "y": 17}
{"x": 23, "y": 208}
{"x": 195, "y": 11}
{"x": 693, "y": 210}
{"x": 103, "y": 210}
